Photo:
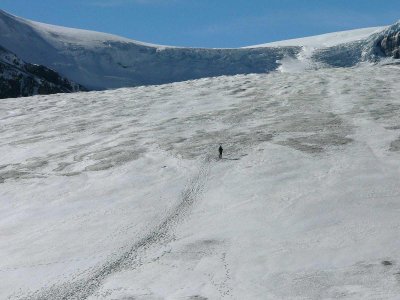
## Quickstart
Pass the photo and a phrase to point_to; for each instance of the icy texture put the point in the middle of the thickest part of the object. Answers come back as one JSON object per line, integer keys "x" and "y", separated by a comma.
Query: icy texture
{"x": 119, "y": 195}
{"x": 384, "y": 44}
{"x": 356, "y": 52}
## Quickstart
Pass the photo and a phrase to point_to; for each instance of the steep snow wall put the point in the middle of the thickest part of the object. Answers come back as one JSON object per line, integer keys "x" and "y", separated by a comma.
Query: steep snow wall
{"x": 100, "y": 61}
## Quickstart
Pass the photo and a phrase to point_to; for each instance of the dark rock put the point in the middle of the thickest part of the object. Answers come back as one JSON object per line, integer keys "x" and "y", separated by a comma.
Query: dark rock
{"x": 20, "y": 79}
{"x": 387, "y": 263}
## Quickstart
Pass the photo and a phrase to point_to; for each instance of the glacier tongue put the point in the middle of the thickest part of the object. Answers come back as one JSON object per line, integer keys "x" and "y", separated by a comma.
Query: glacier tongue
{"x": 120, "y": 195}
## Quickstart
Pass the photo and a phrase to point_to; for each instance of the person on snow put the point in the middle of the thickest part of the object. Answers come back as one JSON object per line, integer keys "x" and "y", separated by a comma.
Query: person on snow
{"x": 220, "y": 151}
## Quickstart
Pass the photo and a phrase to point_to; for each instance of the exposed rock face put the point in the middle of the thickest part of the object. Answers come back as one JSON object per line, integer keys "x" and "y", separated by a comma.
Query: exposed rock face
{"x": 20, "y": 79}
{"x": 390, "y": 45}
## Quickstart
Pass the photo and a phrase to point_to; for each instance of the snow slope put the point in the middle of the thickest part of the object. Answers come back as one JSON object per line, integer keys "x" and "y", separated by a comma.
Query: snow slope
{"x": 119, "y": 194}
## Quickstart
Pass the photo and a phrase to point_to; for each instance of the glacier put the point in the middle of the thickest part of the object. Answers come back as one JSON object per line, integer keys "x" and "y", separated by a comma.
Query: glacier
{"x": 119, "y": 194}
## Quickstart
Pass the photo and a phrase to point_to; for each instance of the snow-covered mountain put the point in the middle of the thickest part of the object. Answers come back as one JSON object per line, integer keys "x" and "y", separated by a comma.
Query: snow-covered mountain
{"x": 18, "y": 78}
{"x": 102, "y": 61}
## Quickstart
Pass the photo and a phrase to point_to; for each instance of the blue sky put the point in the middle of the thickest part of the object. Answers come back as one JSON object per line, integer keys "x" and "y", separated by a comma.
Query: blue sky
{"x": 209, "y": 23}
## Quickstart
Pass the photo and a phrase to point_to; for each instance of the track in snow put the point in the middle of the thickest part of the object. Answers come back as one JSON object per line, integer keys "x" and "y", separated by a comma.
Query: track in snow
{"x": 93, "y": 278}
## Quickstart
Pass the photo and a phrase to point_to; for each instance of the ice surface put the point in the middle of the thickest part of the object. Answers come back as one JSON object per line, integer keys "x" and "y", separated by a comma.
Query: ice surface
{"x": 120, "y": 195}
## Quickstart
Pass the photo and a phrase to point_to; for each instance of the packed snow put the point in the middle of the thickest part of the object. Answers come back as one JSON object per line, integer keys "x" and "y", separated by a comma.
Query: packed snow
{"x": 120, "y": 194}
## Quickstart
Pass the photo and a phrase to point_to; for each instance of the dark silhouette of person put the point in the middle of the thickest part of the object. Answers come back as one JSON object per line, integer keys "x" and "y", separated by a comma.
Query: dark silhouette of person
{"x": 220, "y": 151}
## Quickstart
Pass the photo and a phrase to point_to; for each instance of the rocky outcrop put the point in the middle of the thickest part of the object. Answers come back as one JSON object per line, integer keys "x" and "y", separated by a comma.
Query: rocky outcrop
{"x": 20, "y": 79}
